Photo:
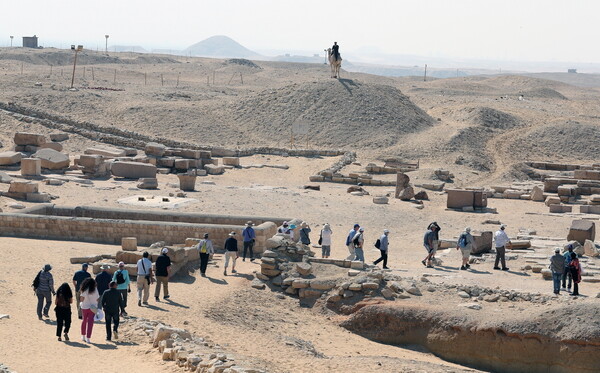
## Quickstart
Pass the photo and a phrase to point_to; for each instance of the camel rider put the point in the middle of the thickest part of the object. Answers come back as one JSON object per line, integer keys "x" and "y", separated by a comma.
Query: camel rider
{"x": 335, "y": 50}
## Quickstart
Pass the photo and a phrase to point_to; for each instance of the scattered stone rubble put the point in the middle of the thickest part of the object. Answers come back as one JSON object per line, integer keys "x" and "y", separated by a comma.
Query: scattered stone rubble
{"x": 5, "y": 369}
{"x": 192, "y": 353}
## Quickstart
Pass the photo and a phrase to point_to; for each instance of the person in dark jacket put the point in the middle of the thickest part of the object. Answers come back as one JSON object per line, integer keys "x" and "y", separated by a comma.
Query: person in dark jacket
{"x": 43, "y": 291}
{"x": 64, "y": 298}
{"x": 249, "y": 238}
{"x": 575, "y": 268}
{"x": 102, "y": 280}
{"x": 231, "y": 252}
{"x": 163, "y": 272}
{"x": 335, "y": 50}
{"x": 112, "y": 304}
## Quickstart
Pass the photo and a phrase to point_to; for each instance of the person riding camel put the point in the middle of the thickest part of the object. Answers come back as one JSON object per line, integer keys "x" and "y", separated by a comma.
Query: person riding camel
{"x": 335, "y": 50}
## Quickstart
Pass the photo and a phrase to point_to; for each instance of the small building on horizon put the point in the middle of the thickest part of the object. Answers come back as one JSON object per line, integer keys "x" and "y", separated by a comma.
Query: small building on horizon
{"x": 572, "y": 71}
{"x": 30, "y": 41}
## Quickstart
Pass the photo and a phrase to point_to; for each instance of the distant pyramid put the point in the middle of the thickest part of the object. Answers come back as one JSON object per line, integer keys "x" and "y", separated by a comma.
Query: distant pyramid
{"x": 220, "y": 46}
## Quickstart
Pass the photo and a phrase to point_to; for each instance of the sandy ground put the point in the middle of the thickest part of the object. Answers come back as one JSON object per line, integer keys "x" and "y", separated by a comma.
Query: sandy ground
{"x": 257, "y": 324}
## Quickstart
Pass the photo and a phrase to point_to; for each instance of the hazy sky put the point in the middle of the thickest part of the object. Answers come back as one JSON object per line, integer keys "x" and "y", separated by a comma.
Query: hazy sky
{"x": 528, "y": 30}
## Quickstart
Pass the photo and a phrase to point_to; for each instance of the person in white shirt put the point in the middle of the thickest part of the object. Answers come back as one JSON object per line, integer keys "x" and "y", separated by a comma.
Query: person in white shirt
{"x": 205, "y": 247}
{"x": 144, "y": 278}
{"x": 501, "y": 241}
{"x": 325, "y": 239}
{"x": 89, "y": 306}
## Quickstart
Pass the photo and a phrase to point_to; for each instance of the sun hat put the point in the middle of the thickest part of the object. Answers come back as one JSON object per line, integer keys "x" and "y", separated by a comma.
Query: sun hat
{"x": 164, "y": 250}
{"x": 249, "y": 222}
{"x": 468, "y": 229}
{"x": 502, "y": 226}
{"x": 47, "y": 267}
{"x": 361, "y": 229}
{"x": 121, "y": 264}
{"x": 232, "y": 233}
{"x": 105, "y": 266}
{"x": 386, "y": 231}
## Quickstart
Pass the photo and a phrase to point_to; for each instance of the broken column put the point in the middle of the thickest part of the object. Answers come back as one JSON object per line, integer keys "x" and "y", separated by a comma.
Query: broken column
{"x": 187, "y": 182}
{"x": 31, "y": 167}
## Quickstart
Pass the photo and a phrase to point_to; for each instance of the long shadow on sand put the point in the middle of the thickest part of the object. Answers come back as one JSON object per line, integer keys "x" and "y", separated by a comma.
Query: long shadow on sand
{"x": 346, "y": 83}
{"x": 105, "y": 346}
{"x": 155, "y": 308}
{"x": 172, "y": 303}
{"x": 77, "y": 344}
{"x": 217, "y": 281}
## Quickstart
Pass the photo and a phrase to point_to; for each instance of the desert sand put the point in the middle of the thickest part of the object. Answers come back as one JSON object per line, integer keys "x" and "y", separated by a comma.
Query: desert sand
{"x": 476, "y": 127}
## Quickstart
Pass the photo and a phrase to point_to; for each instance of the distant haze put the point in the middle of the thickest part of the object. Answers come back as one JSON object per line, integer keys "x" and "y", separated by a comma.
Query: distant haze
{"x": 508, "y": 30}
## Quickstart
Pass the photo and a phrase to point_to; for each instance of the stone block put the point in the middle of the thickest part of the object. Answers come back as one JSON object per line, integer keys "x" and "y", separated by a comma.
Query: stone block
{"x": 187, "y": 182}
{"x": 561, "y": 208}
{"x": 182, "y": 164}
{"x": 192, "y": 254}
{"x": 483, "y": 242}
{"x": 25, "y": 138}
{"x": 9, "y": 158}
{"x": 51, "y": 159}
{"x": 133, "y": 170}
{"x": 309, "y": 293}
{"x": 128, "y": 257}
{"x": 380, "y": 200}
{"x": 405, "y": 194}
{"x": 52, "y": 145}
{"x": 60, "y": 136}
{"x": 107, "y": 151}
{"x": 356, "y": 264}
{"x": 156, "y": 149}
{"x": 5, "y": 178}
{"x": 322, "y": 284}
{"x": 89, "y": 161}
{"x": 211, "y": 169}
{"x": 303, "y": 268}
{"x": 567, "y": 190}
{"x": 162, "y": 332}
{"x": 537, "y": 194}
{"x": 590, "y": 249}
{"x": 129, "y": 243}
{"x": 552, "y": 201}
{"x": 38, "y": 197}
{"x": 23, "y": 187}
{"x": 580, "y": 231}
{"x": 300, "y": 283}
{"x": 31, "y": 167}
{"x": 191, "y": 154}
{"x": 231, "y": 161}
{"x": 165, "y": 162}
{"x": 148, "y": 183}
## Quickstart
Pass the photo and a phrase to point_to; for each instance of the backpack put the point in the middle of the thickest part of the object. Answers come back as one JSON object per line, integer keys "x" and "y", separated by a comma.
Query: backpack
{"x": 378, "y": 243}
{"x": 203, "y": 247}
{"x": 36, "y": 281}
{"x": 462, "y": 241}
{"x": 355, "y": 241}
{"x": 120, "y": 277}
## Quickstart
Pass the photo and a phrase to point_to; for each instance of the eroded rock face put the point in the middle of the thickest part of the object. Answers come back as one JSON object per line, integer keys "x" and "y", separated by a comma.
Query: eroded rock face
{"x": 521, "y": 343}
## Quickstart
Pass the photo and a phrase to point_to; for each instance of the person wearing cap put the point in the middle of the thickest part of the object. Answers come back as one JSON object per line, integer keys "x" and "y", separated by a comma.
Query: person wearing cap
{"x": 349, "y": 243}
{"x": 249, "y": 238}
{"x": 163, "y": 272}
{"x": 383, "y": 247}
{"x": 305, "y": 233}
{"x": 112, "y": 302}
{"x": 435, "y": 244}
{"x": 103, "y": 279}
{"x": 567, "y": 272}
{"x": 325, "y": 241}
{"x": 44, "y": 291}
{"x": 557, "y": 266}
{"x": 205, "y": 247}
{"x": 78, "y": 278}
{"x": 501, "y": 241}
{"x": 358, "y": 242}
{"x": 466, "y": 243}
{"x": 231, "y": 253}
{"x": 428, "y": 243}
{"x": 144, "y": 278}
{"x": 285, "y": 230}
{"x": 121, "y": 277}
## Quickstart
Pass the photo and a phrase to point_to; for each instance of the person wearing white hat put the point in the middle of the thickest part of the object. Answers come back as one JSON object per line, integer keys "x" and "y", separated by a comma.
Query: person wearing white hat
{"x": 121, "y": 277}
{"x": 163, "y": 272}
{"x": 382, "y": 244}
{"x": 249, "y": 238}
{"x": 231, "y": 253}
{"x": 325, "y": 240}
{"x": 466, "y": 243}
{"x": 501, "y": 241}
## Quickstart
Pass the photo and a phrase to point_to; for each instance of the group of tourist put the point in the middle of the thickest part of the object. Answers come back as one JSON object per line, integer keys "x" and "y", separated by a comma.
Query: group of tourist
{"x": 565, "y": 267}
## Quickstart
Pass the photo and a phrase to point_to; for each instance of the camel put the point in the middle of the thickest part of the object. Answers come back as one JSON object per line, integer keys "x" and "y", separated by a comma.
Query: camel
{"x": 335, "y": 64}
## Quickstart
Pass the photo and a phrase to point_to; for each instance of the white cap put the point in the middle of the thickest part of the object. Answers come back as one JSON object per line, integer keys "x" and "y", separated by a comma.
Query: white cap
{"x": 164, "y": 250}
{"x": 361, "y": 229}
{"x": 386, "y": 231}
{"x": 468, "y": 229}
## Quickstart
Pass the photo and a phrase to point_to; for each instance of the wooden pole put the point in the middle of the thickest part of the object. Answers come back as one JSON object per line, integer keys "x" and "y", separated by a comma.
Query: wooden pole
{"x": 93, "y": 77}
{"x": 177, "y": 84}
{"x": 115, "y": 77}
{"x": 145, "y": 79}
{"x": 162, "y": 81}
{"x": 74, "y": 64}
{"x": 84, "y": 72}
{"x": 21, "y": 68}
{"x": 50, "y": 69}
{"x": 425, "y": 76}
{"x": 214, "y": 77}
{"x": 208, "y": 80}
{"x": 233, "y": 76}
{"x": 241, "y": 78}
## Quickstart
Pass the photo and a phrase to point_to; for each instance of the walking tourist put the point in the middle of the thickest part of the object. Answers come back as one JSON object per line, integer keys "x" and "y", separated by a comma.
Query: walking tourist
{"x": 121, "y": 277}
{"x": 205, "y": 247}
{"x": 44, "y": 291}
{"x": 305, "y": 233}
{"x": 102, "y": 280}
{"x": 89, "y": 306}
{"x": 325, "y": 241}
{"x": 501, "y": 241}
{"x": 112, "y": 302}
{"x": 435, "y": 228}
{"x": 428, "y": 239}
{"x": 62, "y": 309}
{"x": 231, "y": 253}
{"x": 383, "y": 247}
{"x": 465, "y": 244}
{"x": 249, "y": 238}
{"x": 286, "y": 231}
{"x": 557, "y": 266}
{"x": 567, "y": 272}
{"x": 144, "y": 278}
{"x": 359, "y": 241}
{"x": 575, "y": 268}
{"x": 78, "y": 278}
{"x": 349, "y": 243}
{"x": 163, "y": 272}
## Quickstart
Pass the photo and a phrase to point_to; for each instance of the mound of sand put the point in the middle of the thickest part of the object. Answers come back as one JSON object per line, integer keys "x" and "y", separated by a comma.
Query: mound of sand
{"x": 339, "y": 113}
{"x": 242, "y": 62}
{"x": 544, "y": 93}
{"x": 492, "y": 118}
{"x": 570, "y": 140}
{"x": 61, "y": 57}
{"x": 470, "y": 144}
